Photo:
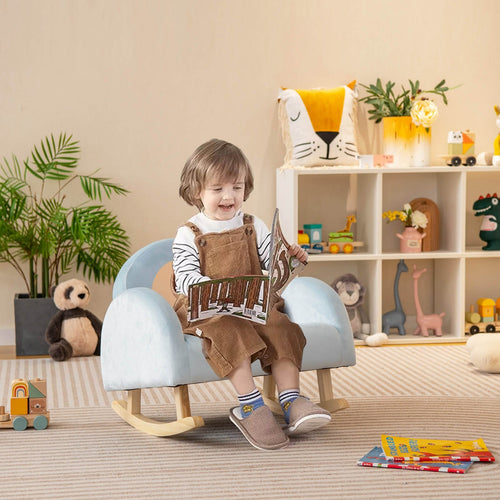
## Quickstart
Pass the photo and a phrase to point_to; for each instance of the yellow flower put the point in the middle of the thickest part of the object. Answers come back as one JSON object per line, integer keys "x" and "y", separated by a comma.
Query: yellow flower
{"x": 424, "y": 112}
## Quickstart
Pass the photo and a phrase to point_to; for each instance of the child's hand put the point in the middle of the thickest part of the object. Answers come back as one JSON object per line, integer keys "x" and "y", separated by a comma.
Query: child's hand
{"x": 298, "y": 252}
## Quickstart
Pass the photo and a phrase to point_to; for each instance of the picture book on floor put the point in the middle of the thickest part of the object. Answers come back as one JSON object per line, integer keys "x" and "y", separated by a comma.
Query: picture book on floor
{"x": 402, "y": 448}
{"x": 247, "y": 297}
{"x": 376, "y": 458}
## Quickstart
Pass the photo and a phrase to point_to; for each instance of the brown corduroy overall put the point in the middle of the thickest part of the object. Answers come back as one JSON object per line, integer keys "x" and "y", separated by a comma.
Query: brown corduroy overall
{"x": 227, "y": 340}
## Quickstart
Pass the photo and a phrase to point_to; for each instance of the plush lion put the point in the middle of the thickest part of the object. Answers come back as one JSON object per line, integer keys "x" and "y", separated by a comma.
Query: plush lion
{"x": 352, "y": 294}
{"x": 73, "y": 331}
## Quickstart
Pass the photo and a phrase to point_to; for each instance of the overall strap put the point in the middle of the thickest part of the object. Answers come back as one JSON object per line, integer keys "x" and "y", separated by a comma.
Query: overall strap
{"x": 247, "y": 219}
{"x": 193, "y": 227}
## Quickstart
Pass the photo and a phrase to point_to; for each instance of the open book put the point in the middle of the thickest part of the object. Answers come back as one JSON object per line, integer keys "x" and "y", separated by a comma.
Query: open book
{"x": 247, "y": 297}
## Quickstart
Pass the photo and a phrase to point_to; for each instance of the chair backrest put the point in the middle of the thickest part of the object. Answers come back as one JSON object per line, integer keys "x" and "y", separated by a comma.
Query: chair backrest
{"x": 142, "y": 267}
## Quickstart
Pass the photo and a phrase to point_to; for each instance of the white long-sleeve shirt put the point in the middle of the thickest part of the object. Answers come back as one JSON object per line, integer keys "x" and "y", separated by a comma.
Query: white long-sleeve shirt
{"x": 186, "y": 261}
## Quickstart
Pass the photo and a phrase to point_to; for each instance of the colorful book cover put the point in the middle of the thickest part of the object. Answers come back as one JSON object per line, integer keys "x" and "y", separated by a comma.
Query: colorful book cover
{"x": 401, "y": 448}
{"x": 376, "y": 458}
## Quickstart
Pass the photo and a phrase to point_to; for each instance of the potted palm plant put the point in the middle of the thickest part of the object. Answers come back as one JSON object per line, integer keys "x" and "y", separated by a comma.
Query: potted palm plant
{"x": 43, "y": 236}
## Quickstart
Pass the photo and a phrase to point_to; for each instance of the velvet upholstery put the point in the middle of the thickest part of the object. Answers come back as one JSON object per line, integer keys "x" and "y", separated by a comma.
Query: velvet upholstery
{"x": 142, "y": 344}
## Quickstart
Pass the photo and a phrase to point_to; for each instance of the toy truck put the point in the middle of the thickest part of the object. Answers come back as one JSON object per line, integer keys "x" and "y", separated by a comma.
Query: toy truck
{"x": 28, "y": 406}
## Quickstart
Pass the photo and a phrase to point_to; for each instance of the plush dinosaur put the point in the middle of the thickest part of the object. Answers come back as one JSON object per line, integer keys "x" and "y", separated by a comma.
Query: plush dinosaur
{"x": 489, "y": 208}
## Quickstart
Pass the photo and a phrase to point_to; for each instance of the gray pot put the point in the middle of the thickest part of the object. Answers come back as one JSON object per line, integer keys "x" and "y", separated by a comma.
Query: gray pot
{"x": 31, "y": 318}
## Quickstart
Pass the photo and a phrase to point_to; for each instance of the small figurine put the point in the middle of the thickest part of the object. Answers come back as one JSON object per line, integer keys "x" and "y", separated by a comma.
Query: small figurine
{"x": 496, "y": 142}
{"x": 489, "y": 208}
{"x": 397, "y": 317}
{"x": 369, "y": 161}
{"x": 425, "y": 322}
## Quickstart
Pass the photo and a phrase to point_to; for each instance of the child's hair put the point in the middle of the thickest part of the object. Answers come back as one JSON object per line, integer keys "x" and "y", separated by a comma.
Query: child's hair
{"x": 215, "y": 158}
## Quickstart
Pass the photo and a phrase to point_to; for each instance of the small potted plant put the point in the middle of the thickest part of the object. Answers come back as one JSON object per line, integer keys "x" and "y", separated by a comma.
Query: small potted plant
{"x": 414, "y": 221}
{"x": 407, "y": 116}
{"x": 43, "y": 236}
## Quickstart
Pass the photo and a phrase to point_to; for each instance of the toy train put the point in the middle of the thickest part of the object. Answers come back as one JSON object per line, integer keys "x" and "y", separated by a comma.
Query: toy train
{"x": 461, "y": 146}
{"x": 485, "y": 319}
{"x": 28, "y": 406}
{"x": 339, "y": 241}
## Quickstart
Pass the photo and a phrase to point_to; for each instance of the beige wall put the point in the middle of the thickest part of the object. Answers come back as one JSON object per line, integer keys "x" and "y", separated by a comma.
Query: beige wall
{"x": 141, "y": 83}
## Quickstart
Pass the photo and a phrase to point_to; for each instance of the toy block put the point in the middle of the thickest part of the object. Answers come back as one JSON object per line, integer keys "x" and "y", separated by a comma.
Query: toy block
{"x": 468, "y": 137}
{"x": 468, "y": 148}
{"x": 38, "y": 405}
{"x": 19, "y": 388}
{"x": 37, "y": 388}
{"x": 18, "y": 406}
{"x": 454, "y": 148}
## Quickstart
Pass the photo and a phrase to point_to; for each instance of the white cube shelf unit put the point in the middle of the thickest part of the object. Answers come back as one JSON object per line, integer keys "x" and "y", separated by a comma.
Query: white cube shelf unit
{"x": 458, "y": 273}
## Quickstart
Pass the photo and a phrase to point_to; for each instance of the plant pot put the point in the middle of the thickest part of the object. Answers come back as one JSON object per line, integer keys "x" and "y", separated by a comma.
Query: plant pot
{"x": 411, "y": 240}
{"x": 31, "y": 319}
{"x": 409, "y": 144}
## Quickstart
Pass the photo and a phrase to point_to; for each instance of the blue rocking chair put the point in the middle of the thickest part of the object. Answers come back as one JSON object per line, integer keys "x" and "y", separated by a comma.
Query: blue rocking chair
{"x": 142, "y": 344}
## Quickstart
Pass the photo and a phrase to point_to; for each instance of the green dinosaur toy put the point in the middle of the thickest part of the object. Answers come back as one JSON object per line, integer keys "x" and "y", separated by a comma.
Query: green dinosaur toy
{"x": 489, "y": 208}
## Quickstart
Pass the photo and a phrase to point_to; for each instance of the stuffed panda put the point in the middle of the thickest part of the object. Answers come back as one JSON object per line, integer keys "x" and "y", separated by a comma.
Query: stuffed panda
{"x": 352, "y": 294}
{"x": 73, "y": 331}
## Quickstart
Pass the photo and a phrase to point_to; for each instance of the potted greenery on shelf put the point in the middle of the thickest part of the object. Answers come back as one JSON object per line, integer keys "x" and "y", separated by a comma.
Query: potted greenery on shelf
{"x": 407, "y": 115}
{"x": 43, "y": 236}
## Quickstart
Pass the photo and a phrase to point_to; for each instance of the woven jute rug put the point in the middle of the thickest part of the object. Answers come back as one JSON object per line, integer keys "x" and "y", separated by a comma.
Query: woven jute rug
{"x": 89, "y": 452}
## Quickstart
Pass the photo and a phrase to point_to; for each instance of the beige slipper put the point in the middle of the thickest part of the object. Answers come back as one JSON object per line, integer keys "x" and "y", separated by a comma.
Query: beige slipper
{"x": 306, "y": 416}
{"x": 260, "y": 428}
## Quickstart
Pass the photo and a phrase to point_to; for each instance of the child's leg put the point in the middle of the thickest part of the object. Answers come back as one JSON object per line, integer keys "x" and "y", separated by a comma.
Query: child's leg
{"x": 255, "y": 420}
{"x": 301, "y": 415}
{"x": 248, "y": 395}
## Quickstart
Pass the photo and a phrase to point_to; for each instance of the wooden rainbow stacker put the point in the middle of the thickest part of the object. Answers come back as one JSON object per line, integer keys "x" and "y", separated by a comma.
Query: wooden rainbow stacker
{"x": 28, "y": 406}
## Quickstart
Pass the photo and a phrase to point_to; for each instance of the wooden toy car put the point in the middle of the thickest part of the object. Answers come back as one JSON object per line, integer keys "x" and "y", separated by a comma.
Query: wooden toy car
{"x": 485, "y": 320}
{"x": 343, "y": 241}
{"x": 461, "y": 145}
{"x": 28, "y": 406}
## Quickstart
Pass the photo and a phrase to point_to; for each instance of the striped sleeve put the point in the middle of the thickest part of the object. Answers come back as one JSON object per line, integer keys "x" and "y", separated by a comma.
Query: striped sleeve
{"x": 186, "y": 263}
{"x": 263, "y": 242}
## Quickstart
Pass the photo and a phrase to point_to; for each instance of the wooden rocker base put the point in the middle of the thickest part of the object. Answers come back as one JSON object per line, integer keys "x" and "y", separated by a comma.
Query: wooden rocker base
{"x": 130, "y": 411}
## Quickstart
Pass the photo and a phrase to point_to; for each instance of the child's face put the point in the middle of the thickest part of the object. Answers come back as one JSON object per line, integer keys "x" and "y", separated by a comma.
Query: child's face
{"x": 221, "y": 199}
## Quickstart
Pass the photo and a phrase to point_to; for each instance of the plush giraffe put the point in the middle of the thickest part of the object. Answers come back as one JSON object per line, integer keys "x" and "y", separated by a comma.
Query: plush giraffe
{"x": 397, "y": 317}
{"x": 425, "y": 322}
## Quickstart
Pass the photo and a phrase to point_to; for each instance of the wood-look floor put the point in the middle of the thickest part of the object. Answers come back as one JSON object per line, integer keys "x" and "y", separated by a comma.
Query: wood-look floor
{"x": 9, "y": 352}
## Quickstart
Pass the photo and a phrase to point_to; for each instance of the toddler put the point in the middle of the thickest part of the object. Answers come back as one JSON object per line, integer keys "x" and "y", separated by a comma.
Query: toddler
{"x": 221, "y": 241}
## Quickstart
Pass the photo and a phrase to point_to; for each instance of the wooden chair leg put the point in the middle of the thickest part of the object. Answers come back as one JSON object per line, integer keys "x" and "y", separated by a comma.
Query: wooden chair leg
{"x": 326, "y": 399}
{"x": 182, "y": 404}
{"x": 269, "y": 395}
{"x": 130, "y": 411}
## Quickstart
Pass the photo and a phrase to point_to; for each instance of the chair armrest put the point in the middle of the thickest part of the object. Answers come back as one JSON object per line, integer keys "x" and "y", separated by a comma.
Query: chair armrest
{"x": 141, "y": 268}
{"x": 319, "y": 311}
{"x": 310, "y": 300}
{"x": 142, "y": 344}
